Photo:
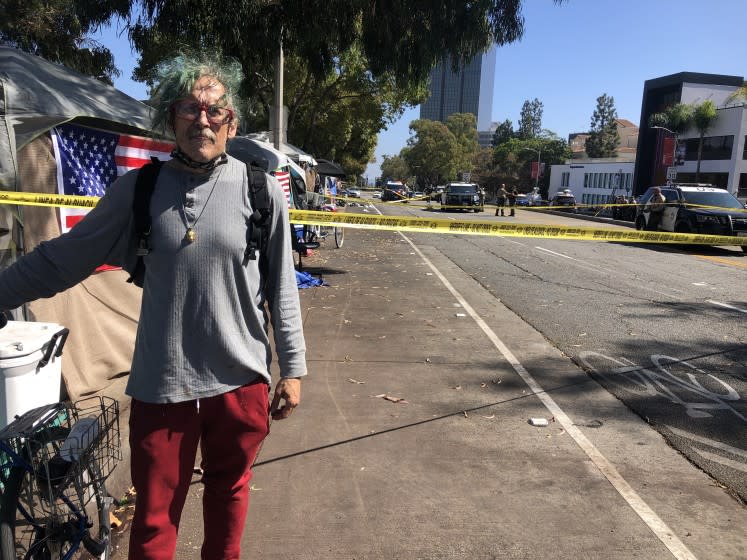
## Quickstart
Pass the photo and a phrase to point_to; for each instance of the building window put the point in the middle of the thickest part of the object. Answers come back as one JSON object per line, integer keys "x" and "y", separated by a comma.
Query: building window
{"x": 714, "y": 147}
{"x": 744, "y": 152}
{"x": 742, "y": 192}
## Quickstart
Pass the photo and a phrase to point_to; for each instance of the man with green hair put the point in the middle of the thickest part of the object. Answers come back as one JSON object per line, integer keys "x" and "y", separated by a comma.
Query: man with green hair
{"x": 201, "y": 366}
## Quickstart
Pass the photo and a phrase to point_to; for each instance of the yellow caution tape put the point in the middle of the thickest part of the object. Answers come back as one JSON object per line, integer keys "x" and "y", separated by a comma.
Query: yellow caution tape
{"x": 38, "y": 199}
{"x": 464, "y": 227}
{"x": 428, "y": 225}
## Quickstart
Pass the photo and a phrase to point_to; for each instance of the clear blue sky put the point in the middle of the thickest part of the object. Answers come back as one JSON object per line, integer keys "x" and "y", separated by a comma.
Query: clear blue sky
{"x": 573, "y": 53}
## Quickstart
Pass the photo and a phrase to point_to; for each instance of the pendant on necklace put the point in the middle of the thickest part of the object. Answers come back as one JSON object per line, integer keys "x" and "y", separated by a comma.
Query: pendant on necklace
{"x": 190, "y": 235}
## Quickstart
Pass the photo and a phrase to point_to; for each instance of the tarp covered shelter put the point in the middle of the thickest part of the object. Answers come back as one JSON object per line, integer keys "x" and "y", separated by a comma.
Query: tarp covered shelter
{"x": 329, "y": 168}
{"x": 101, "y": 312}
{"x": 296, "y": 154}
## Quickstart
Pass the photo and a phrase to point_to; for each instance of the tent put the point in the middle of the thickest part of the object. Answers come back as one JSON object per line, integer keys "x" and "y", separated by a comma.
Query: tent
{"x": 296, "y": 154}
{"x": 330, "y": 169}
{"x": 250, "y": 150}
{"x": 262, "y": 154}
{"x": 101, "y": 312}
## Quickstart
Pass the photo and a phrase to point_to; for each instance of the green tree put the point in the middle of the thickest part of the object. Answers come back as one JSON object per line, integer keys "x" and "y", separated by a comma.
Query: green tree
{"x": 432, "y": 151}
{"x": 530, "y": 121}
{"x": 514, "y": 159}
{"x": 58, "y": 30}
{"x": 677, "y": 118}
{"x": 317, "y": 31}
{"x": 740, "y": 94}
{"x": 603, "y": 136}
{"x": 464, "y": 128}
{"x": 503, "y": 133}
{"x": 704, "y": 115}
{"x": 394, "y": 168}
{"x": 485, "y": 173}
{"x": 338, "y": 116}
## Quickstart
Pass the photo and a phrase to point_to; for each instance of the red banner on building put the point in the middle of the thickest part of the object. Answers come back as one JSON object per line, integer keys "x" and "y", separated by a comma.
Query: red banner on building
{"x": 667, "y": 152}
{"x": 535, "y": 167}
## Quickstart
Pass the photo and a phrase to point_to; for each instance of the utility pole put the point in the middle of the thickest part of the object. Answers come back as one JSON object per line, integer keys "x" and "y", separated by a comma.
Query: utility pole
{"x": 277, "y": 134}
{"x": 539, "y": 166}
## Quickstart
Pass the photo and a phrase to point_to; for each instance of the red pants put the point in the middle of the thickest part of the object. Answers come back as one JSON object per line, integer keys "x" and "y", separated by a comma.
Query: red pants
{"x": 163, "y": 444}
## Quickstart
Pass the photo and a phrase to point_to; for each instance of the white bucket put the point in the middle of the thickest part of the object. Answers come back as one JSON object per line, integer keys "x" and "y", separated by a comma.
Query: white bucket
{"x": 26, "y": 381}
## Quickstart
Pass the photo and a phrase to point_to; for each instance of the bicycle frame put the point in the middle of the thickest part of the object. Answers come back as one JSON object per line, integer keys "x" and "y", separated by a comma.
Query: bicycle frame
{"x": 62, "y": 480}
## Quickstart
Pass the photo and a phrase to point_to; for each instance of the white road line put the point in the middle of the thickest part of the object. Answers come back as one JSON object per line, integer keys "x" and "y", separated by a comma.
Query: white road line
{"x": 644, "y": 511}
{"x": 709, "y": 442}
{"x": 736, "y": 465}
{"x": 556, "y": 254}
{"x": 726, "y": 305}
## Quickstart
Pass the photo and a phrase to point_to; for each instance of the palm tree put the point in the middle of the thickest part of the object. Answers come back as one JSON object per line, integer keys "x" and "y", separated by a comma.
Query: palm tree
{"x": 680, "y": 117}
{"x": 739, "y": 94}
{"x": 703, "y": 118}
{"x": 676, "y": 119}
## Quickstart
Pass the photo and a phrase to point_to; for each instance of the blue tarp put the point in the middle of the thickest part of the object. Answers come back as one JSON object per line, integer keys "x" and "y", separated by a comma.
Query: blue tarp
{"x": 306, "y": 280}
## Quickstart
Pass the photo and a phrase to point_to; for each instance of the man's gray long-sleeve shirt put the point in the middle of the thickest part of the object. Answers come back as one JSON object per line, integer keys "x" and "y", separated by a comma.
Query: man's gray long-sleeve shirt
{"x": 203, "y": 329}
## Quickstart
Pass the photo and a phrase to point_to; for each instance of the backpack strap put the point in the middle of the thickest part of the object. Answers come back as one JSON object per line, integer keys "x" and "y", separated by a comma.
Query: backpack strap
{"x": 145, "y": 184}
{"x": 259, "y": 221}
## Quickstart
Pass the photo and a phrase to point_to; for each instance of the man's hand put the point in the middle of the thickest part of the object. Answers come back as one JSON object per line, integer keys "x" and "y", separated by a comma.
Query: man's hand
{"x": 289, "y": 390}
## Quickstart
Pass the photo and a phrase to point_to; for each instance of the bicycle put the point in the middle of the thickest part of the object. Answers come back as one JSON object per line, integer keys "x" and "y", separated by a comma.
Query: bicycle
{"x": 322, "y": 232}
{"x": 55, "y": 461}
{"x": 312, "y": 235}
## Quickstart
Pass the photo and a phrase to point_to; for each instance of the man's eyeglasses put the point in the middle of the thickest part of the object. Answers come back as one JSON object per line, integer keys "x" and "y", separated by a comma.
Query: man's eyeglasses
{"x": 190, "y": 111}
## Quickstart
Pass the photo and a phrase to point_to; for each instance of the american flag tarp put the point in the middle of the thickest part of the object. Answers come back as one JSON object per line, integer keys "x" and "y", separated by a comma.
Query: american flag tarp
{"x": 89, "y": 160}
{"x": 283, "y": 178}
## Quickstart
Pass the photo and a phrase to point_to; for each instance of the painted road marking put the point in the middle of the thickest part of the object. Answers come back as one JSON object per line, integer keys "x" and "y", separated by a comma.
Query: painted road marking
{"x": 641, "y": 508}
{"x": 720, "y": 260}
{"x": 726, "y": 305}
{"x": 556, "y": 254}
{"x": 736, "y": 465}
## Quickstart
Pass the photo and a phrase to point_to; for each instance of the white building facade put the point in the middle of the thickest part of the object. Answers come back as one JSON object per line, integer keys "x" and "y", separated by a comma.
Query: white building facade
{"x": 595, "y": 181}
{"x": 723, "y": 161}
{"x": 724, "y": 158}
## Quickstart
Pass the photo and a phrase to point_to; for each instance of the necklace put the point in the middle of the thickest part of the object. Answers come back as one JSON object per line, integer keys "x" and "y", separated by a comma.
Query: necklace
{"x": 189, "y": 162}
{"x": 190, "y": 236}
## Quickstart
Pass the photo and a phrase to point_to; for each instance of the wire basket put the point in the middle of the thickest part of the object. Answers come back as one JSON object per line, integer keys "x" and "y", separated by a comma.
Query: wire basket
{"x": 72, "y": 449}
{"x": 314, "y": 200}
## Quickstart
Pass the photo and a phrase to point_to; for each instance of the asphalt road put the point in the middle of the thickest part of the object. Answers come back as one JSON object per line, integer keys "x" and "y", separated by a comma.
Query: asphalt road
{"x": 660, "y": 327}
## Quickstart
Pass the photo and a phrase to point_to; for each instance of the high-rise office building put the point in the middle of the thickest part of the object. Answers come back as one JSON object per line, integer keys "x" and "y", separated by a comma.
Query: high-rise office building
{"x": 469, "y": 90}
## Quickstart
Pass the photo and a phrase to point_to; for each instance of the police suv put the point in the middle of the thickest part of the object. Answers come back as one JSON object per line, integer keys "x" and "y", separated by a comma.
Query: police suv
{"x": 696, "y": 208}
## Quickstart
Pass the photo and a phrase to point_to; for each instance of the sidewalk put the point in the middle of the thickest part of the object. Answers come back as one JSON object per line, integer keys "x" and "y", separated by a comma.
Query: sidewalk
{"x": 454, "y": 470}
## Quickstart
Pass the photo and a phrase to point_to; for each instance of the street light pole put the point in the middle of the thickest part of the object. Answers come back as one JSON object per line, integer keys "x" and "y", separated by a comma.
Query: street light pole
{"x": 674, "y": 153}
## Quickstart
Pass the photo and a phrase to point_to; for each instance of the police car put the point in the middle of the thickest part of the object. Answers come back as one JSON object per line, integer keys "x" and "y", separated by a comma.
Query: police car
{"x": 697, "y": 208}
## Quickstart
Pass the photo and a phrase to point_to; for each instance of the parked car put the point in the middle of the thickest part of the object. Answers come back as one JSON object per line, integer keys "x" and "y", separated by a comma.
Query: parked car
{"x": 463, "y": 196}
{"x": 696, "y": 208}
{"x": 377, "y": 194}
{"x": 355, "y": 193}
{"x": 394, "y": 190}
{"x": 523, "y": 200}
{"x": 564, "y": 200}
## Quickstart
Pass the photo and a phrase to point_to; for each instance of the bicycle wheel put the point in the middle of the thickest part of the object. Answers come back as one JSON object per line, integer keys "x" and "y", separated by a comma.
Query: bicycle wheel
{"x": 339, "y": 236}
{"x": 25, "y": 536}
{"x": 325, "y": 231}
{"x": 46, "y": 531}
